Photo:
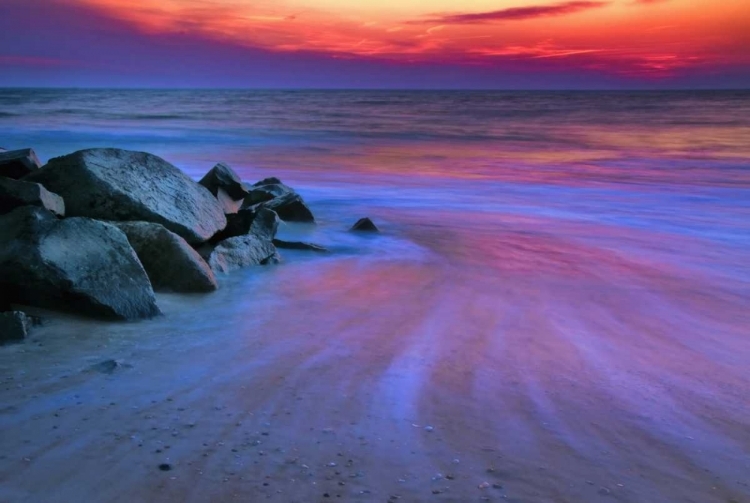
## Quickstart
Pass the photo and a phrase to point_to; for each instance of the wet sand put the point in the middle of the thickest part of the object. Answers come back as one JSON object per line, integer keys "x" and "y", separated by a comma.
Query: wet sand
{"x": 516, "y": 360}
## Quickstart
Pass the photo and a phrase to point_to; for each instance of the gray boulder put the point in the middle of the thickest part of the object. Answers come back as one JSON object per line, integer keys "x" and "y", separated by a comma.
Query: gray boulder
{"x": 265, "y": 224}
{"x": 14, "y": 326}
{"x": 121, "y": 185}
{"x": 18, "y": 163}
{"x": 259, "y": 221}
{"x": 365, "y": 225}
{"x": 169, "y": 261}
{"x": 240, "y": 251}
{"x": 76, "y": 264}
{"x": 271, "y": 193}
{"x": 223, "y": 177}
{"x": 267, "y": 191}
{"x": 299, "y": 245}
{"x": 289, "y": 207}
{"x": 15, "y": 193}
{"x": 267, "y": 181}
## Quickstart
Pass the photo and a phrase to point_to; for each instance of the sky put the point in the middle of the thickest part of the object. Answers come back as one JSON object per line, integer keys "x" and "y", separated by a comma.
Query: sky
{"x": 492, "y": 44}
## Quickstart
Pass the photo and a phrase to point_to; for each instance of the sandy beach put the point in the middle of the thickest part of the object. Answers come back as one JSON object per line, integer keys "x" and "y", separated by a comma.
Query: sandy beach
{"x": 429, "y": 375}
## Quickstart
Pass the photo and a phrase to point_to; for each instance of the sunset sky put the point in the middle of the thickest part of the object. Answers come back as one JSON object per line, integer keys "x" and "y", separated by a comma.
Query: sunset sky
{"x": 376, "y": 43}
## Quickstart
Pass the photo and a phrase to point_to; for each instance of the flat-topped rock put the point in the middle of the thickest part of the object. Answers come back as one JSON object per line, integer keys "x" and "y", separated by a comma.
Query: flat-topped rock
{"x": 224, "y": 177}
{"x": 76, "y": 264}
{"x": 122, "y": 185}
{"x": 16, "y": 193}
{"x": 170, "y": 262}
{"x": 16, "y": 164}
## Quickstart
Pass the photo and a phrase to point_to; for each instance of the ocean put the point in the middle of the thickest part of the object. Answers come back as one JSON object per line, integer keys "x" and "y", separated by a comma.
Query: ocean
{"x": 561, "y": 288}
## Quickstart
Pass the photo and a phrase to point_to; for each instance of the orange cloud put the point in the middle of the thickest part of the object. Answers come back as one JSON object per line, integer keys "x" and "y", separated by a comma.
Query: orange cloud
{"x": 639, "y": 37}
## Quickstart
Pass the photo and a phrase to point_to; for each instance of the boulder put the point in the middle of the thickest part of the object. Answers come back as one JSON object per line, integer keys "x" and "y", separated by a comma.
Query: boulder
{"x": 289, "y": 207}
{"x": 265, "y": 224}
{"x": 240, "y": 251}
{"x": 299, "y": 245}
{"x": 261, "y": 222}
{"x": 14, "y": 326}
{"x": 271, "y": 193}
{"x": 364, "y": 225}
{"x": 267, "y": 181}
{"x": 121, "y": 185}
{"x": 15, "y": 193}
{"x": 76, "y": 264}
{"x": 223, "y": 177}
{"x": 18, "y": 163}
{"x": 267, "y": 192}
{"x": 169, "y": 261}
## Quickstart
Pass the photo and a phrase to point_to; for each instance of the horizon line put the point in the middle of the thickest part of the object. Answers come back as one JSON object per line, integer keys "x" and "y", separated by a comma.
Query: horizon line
{"x": 392, "y": 89}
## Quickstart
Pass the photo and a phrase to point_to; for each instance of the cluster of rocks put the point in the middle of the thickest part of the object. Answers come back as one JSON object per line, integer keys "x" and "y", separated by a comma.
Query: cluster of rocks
{"x": 97, "y": 231}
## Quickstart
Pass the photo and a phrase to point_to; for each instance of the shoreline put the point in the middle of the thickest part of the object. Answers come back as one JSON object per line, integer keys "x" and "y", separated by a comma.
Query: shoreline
{"x": 233, "y": 394}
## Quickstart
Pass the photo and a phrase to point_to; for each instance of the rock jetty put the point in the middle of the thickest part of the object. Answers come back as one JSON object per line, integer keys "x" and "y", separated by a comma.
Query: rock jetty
{"x": 97, "y": 231}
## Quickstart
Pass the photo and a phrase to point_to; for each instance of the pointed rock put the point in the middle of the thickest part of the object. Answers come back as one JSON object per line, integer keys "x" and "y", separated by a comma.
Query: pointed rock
{"x": 122, "y": 185}
{"x": 365, "y": 225}
{"x": 223, "y": 177}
